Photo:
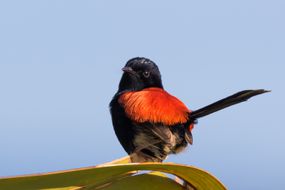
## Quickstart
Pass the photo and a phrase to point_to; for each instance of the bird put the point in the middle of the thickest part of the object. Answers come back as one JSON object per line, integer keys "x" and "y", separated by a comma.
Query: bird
{"x": 149, "y": 122}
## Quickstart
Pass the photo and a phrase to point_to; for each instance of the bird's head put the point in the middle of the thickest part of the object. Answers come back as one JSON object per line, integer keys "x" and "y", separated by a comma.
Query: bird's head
{"x": 140, "y": 73}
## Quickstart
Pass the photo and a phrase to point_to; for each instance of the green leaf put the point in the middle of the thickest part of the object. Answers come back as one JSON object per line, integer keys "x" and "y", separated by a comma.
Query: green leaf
{"x": 115, "y": 176}
{"x": 142, "y": 182}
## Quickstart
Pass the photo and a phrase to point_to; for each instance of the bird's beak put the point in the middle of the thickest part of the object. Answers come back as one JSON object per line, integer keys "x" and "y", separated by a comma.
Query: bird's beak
{"x": 129, "y": 70}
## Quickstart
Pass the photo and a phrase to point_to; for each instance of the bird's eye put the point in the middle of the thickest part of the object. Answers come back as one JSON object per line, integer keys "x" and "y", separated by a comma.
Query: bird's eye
{"x": 146, "y": 74}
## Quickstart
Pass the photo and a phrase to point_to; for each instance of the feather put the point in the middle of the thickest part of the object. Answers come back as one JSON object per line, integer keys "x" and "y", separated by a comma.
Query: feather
{"x": 154, "y": 105}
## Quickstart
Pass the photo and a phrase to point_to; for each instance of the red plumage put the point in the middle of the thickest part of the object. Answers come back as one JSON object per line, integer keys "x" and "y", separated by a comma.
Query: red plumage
{"x": 154, "y": 105}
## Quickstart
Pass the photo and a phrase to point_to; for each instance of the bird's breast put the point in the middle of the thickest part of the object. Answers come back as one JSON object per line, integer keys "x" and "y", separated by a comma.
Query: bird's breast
{"x": 154, "y": 105}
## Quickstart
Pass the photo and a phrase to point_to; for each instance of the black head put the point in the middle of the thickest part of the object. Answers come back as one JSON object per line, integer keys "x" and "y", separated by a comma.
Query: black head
{"x": 140, "y": 73}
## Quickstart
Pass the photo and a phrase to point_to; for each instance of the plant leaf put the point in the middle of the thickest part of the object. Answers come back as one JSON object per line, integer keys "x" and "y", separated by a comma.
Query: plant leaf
{"x": 153, "y": 181}
{"x": 101, "y": 176}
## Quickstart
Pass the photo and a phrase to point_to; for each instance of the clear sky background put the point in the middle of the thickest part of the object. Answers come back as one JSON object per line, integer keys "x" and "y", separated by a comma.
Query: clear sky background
{"x": 60, "y": 65}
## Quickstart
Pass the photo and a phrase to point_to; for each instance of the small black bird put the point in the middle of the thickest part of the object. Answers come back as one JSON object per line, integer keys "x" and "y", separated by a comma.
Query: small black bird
{"x": 149, "y": 122}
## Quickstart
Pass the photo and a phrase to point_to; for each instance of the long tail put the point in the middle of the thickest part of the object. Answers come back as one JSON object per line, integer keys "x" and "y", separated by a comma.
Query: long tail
{"x": 221, "y": 104}
{"x": 226, "y": 102}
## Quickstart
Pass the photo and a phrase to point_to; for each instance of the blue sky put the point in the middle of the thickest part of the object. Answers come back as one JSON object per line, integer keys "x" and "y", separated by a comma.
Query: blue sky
{"x": 60, "y": 65}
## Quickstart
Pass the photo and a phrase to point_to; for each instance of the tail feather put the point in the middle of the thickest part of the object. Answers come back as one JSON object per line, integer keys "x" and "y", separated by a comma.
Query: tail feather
{"x": 226, "y": 102}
